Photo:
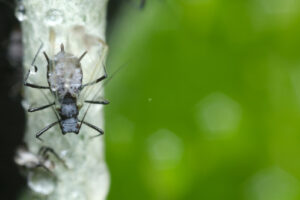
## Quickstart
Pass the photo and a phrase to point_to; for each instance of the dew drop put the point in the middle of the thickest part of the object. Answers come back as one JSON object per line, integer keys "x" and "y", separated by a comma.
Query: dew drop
{"x": 66, "y": 85}
{"x": 54, "y": 89}
{"x": 54, "y": 17}
{"x": 20, "y": 12}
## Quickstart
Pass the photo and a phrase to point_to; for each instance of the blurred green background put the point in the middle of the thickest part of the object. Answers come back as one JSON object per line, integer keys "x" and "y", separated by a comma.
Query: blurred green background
{"x": 207, "y": 105}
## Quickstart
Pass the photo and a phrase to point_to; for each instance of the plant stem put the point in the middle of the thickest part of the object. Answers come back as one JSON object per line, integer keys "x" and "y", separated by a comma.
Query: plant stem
{"x": 80, "y": 26}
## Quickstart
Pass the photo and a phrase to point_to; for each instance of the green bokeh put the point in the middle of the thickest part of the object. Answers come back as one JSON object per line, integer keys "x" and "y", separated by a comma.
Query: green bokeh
{"x": 207, "y": 105}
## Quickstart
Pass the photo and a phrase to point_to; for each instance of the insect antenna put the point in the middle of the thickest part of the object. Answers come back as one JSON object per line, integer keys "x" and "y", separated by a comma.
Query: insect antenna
{"x": 35, "y": 69}
{"x": 36, "y": 55}
{"x": 34, "y": 59}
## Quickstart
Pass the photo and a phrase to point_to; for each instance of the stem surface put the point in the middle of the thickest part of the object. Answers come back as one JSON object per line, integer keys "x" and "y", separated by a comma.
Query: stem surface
{"x": 80, "y": 26}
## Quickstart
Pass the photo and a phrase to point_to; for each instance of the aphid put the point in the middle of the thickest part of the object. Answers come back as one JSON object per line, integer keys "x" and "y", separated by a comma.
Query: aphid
{"x": 64, "y": 76}
{"x": 30, "y": 161}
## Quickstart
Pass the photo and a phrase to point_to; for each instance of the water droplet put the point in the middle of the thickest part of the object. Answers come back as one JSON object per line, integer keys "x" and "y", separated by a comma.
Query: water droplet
{"x": 66, "y": 85}
{"x": 54, "y": 89}
{"x": 165, "y": 149}
{"x": 20, "y": 12}
{"x": 218, "y": 114}
{"x": 41, "y": 182}
{"x": 149, "y": 99}
{"x": 54, "y": 17}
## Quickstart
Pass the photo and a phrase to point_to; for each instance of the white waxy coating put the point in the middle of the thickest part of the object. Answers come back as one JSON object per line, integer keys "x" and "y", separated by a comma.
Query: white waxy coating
{"x": 87, "y": 177}
{"x": 30, "y": 160}
{"x": 66, "y": 76}
{"x": 26, "y": 158}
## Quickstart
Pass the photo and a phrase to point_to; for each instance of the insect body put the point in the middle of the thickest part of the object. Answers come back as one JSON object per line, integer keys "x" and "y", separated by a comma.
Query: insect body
{"x": 65, "y": 80}
{"x": 64, "y": 76}
{"x": 39, "y": 167}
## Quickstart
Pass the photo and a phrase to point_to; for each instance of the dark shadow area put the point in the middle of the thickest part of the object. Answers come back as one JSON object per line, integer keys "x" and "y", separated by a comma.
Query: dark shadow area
{"x": 12, "y": 114}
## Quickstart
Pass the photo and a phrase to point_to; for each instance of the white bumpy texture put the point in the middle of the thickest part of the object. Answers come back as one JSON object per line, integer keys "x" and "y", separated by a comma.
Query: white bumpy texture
{"x": 79, "y": 25}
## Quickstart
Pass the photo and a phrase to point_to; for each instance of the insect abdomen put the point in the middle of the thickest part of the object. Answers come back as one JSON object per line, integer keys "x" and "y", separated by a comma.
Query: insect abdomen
{"x": 69, "y": 110}
{"x": 68, "y": 114}
{"x": 70, "y": 125}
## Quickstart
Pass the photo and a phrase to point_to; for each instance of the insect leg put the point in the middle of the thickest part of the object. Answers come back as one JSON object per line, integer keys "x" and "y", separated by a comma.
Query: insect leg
{"x": 44, "y": 167}
{"x": 101, "y": 132}
{"x": 104, "y": 102}
{"x": 41, "y": 150}
{"x": 47, "y": 58}
{"x": 35, "y": 67}
{"x": 50, "y": 172}
{"x": 45, "y": 129}
{"x": 80, "y": 58}
{"x": 33, "y": 85}
{"x": 45, "y": 150}
{"x": 40, "y": 108}
{"x": 95, "y": 81}
{"x": 53, "y": 109}
{"x": 104, "y": 50}
{"x": 48, "y": 66}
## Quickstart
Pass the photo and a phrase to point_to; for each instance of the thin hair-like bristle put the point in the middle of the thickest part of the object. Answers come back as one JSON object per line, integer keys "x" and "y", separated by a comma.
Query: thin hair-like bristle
{"x": 82, "y": 55}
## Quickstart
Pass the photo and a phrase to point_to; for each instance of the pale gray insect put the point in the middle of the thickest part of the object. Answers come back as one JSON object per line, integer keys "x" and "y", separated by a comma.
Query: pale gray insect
{"x": 64, "y": 76}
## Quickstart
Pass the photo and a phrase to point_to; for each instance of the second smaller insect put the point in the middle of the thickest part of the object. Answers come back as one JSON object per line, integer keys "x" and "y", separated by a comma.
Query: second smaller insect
{"x": 30, "y": 161}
